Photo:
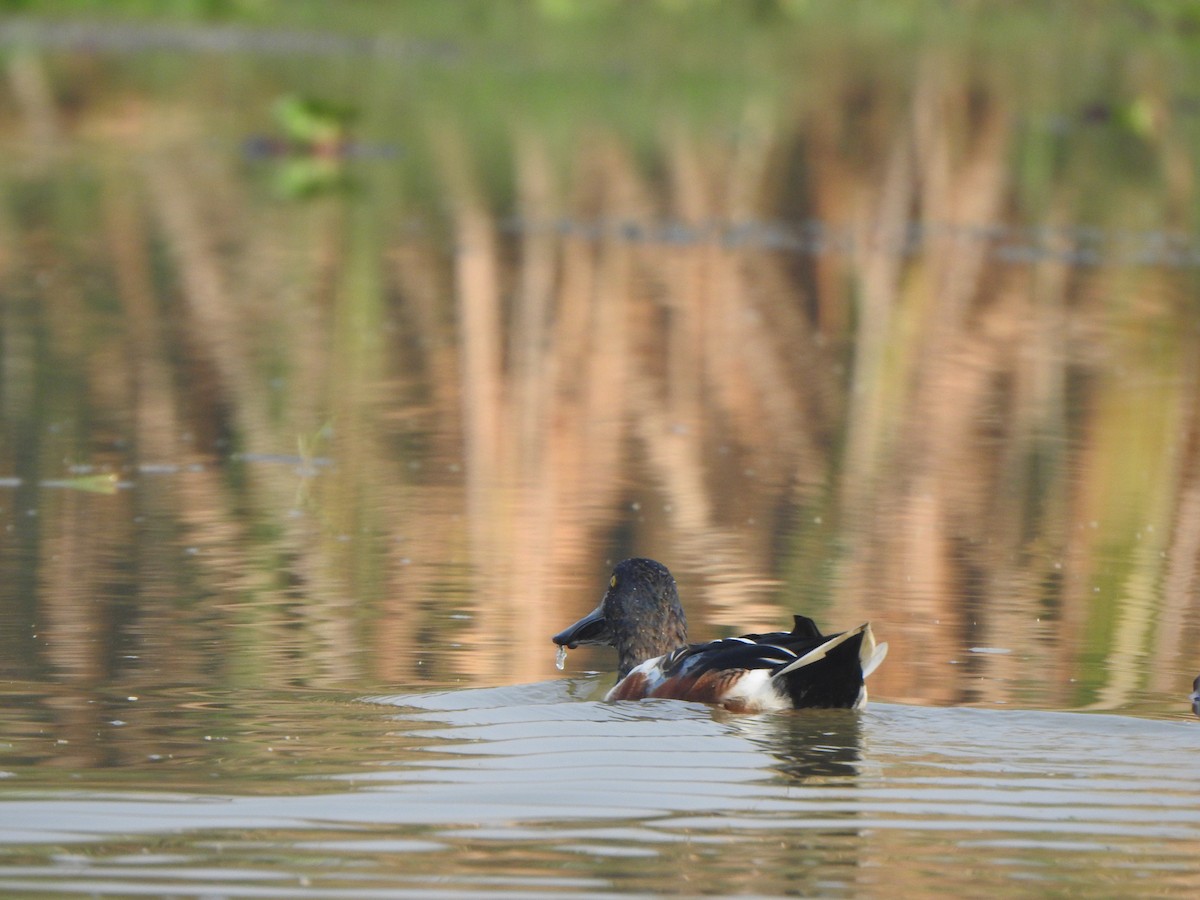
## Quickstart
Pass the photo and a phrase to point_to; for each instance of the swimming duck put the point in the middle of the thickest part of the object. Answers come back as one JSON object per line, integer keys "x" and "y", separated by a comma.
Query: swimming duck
{"x": 641, "y": 616}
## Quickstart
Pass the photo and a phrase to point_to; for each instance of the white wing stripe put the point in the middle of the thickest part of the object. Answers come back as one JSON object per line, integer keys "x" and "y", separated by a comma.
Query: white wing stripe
{"x": 822, "y": 651}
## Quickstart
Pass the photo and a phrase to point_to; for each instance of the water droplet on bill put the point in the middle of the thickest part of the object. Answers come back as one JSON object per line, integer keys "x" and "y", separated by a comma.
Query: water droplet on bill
{"x": 561, "y": 659}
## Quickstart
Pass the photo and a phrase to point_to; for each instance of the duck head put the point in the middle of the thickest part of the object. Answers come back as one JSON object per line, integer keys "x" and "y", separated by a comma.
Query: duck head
{"x": 639, "y": 614}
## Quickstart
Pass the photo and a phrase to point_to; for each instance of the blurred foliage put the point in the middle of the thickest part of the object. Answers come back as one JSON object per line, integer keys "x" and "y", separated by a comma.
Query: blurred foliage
{"x": 1094, "y": 81}
{"x": 311, "y": 122}
{"x": 636, "y": 109}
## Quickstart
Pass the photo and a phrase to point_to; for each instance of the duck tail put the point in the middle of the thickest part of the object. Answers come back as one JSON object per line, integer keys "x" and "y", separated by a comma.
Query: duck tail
{"x": 831, "y": 675}
{"x": 872, "y": 654}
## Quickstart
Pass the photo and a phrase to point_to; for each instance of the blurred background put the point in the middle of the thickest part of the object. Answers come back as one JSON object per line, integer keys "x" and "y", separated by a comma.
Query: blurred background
{"x": 349, "y": 345}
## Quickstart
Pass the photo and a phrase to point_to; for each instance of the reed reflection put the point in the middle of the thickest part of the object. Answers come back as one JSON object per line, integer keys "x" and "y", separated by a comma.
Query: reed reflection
{"x": 993, "y": 459}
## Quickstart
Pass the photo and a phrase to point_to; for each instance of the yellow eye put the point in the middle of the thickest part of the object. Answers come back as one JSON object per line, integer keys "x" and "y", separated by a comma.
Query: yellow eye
{"x": 612, "y": 582}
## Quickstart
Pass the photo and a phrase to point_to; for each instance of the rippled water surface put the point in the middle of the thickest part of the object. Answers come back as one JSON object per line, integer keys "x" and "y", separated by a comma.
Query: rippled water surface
{"x": 343, "y": 354}
{"x": 539, "y": 790}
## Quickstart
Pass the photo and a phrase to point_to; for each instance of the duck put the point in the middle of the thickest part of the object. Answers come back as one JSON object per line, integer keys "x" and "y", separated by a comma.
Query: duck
{"x": 641, "y": 616}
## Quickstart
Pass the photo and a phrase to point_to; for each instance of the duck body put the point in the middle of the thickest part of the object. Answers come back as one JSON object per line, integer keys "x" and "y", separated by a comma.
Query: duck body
{"x": 800, "y": 669}
{"x": 641, "y": 616}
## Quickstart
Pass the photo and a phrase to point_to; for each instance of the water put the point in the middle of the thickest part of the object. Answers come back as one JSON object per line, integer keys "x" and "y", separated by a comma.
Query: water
{"x": 542, "y": 790}
{"x": 306, "y": 452}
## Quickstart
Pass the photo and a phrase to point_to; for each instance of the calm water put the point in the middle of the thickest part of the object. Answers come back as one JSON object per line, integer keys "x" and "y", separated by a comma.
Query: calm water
{"x": 332, "y": 384}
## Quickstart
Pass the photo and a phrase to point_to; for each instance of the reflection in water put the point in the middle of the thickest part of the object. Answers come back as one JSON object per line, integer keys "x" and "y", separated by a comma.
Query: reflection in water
{"x": 539, "y": 787}
{"x": 396, "y": 437}
{"x": 881, "y": 335}
{"x": 814, "y": 744}
{"x": 1079, "y": 246}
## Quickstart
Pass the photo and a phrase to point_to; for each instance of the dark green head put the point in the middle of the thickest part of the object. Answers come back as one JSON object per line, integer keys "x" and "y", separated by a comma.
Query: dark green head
{"x": 640, "y": 615}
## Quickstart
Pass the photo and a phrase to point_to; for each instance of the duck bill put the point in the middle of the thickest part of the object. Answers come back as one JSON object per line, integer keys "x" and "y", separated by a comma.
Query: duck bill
{"x": 591, "y": 629}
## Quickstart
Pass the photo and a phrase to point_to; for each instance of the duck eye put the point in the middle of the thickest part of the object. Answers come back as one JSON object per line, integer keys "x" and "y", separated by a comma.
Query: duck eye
{"x": 612, "y": 582}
